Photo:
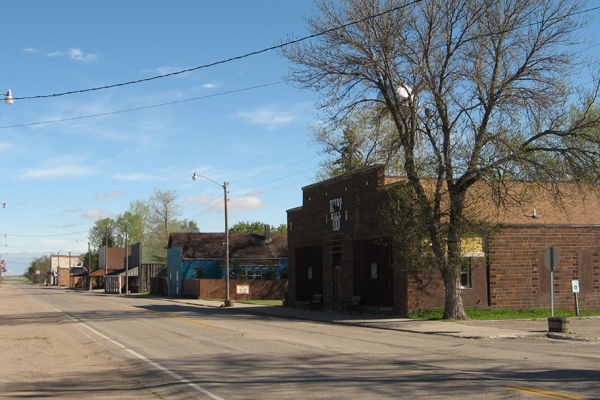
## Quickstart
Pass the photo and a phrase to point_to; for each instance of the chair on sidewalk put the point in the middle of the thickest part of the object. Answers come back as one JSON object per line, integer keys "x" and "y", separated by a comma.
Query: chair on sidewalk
{"x": 315, "y": 303}
{"x": 353, "y": 304}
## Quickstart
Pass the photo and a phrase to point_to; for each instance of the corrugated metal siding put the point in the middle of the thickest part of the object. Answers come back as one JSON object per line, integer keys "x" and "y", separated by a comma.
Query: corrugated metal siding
{"x": 306, "y": 257}
{"x": 377, "y": 292}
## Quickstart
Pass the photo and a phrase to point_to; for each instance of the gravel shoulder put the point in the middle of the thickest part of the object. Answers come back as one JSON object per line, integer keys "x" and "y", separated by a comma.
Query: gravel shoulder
{"x": 44, "y": 354}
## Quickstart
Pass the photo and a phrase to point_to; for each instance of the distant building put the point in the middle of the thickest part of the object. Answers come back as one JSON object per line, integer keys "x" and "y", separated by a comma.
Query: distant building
{"x": 60, "y": 268}
{"x": 202, "y": 255}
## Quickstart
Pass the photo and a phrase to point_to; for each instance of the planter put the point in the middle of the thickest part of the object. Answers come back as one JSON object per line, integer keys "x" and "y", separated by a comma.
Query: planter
{"x": 558, "y": 324}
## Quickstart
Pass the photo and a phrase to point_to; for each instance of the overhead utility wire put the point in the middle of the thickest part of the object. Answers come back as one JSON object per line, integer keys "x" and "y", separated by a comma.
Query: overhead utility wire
{"x": 142, "y": 108}
{"x": 240, "y": 57}
{"x": 279, "y": 46}
{"x": 60, "y": 234}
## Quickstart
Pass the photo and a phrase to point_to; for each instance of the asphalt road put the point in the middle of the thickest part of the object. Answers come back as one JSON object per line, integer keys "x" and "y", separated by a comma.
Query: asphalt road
{"x": 140, "y": 347}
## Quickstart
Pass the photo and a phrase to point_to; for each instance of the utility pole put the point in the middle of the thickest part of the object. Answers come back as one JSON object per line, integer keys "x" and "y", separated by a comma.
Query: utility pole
{"x": 106, "y": 259}
{"x": 89, "y": 267}
{"x": 126, "y": 261}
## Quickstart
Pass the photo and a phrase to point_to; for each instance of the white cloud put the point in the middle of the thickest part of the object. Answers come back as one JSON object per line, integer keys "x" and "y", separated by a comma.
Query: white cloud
{"x": 30, "y": 50}
{"x": 109, "y": 194}
{"x": 254, "y": 192}
{"x": 237, "y": 204}
{"x": 77, "y": 54}
{"x": 209, "y": 86}
{"x": 197, "y": 200}
{"x": 267, "y": 117}
{"x": 64, "y": 226}
{"x": 245, "y": 203}
{"x": 98, "y": 214}
{"x": 75, "y": 210}
{"x": 56, "y": 172}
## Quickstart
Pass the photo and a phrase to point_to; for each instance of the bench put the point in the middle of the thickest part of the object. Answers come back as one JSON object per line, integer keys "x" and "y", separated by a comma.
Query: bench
{"x": 353, "y": 304}
{"x": 315, "y": 303}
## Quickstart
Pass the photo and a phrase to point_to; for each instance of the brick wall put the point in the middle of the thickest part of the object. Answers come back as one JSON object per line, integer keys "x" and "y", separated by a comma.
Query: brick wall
{"x": 358, "y": 217}
{"x": 519, "y": 278}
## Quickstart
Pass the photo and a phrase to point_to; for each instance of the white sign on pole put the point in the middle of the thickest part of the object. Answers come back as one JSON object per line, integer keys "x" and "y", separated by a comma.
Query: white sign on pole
{"x": 37, "y": 272}
{"x": 575, "y": 286}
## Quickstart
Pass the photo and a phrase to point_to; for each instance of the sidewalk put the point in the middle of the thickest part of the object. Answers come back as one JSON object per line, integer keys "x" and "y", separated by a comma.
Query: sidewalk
{"x": 580, "y": 329}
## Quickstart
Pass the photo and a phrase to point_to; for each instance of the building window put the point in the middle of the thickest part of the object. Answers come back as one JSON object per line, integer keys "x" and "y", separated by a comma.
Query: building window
{"x": 254, "y": 274}
{"x": 199, "y": 273}
{"x": 465, "y": 273}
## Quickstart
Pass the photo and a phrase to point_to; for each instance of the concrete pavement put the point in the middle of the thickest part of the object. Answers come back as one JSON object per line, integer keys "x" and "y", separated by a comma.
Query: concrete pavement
{"x": 580, "y": 329}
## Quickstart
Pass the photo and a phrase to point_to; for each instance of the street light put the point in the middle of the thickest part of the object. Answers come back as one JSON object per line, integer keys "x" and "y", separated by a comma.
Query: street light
{"x": 224, "y": 186}
{"x": 8, "y": 99}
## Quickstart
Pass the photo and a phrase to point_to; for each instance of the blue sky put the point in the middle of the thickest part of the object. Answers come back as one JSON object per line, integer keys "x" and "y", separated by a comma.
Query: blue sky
{"x": 58, "y": 178}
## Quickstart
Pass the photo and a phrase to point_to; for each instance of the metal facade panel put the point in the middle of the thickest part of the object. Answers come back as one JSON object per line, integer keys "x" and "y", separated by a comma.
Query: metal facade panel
{"x": 373, "y": 272}
{"x": 309, "y": 272}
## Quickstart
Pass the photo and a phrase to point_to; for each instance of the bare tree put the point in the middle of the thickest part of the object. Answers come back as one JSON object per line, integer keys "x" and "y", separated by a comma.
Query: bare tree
{"x": 164, "y": 208}
{"x": 478, "y": 91}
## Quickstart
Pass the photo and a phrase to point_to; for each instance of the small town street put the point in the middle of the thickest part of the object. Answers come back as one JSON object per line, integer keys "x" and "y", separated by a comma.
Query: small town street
{"x": 57, "y": 343}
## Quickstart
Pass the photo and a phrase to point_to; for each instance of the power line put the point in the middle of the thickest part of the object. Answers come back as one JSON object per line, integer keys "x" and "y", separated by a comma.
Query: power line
{"x": 276, "y": 169}
{"x": 59, "y": 234}
{"x": 279, "y": 46}
{"x": 258, "y": 184}
{"x": 141, "y": 108}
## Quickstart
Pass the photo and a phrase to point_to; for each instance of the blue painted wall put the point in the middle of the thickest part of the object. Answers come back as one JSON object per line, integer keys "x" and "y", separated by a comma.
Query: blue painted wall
{"x": 178, "y": 270}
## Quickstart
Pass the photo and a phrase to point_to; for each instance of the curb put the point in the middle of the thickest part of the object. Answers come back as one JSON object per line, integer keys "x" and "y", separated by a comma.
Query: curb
{"x": 559, "y": 336}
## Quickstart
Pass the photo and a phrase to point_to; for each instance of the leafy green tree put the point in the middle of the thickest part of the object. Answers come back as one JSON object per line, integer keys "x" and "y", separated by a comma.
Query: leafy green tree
{"x": 270, "y": 273}
{"x": 104, "y": 231}
{"x": 41, "y": 264}
{"x": 280, "y": 229}
{"x": 255, "y": 227}
{"x": 235, "y": 270}
{"x": 477, "y": 92}
{"x": 247, "y": 227}
{"x": 85, "y": 259}
{"x": 360, "y": 140}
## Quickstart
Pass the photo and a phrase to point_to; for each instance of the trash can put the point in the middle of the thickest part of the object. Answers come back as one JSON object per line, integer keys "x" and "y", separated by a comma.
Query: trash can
{"x": 558, "y": 324}
{"x": 284, "y": 299}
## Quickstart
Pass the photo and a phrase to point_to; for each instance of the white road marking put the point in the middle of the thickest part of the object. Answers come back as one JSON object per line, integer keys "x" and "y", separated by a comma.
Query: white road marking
{"x": 140, "y": 356}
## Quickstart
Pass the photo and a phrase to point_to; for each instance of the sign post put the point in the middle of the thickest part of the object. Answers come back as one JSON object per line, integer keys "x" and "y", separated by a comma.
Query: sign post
{"x": 575, "y": 284}
{"x": 551, "y": 260}
{"x": 243, "y": 289}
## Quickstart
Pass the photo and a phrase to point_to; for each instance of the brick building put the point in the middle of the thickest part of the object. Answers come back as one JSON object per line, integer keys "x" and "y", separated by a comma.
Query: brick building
{"x": 60, "y": 267}
{"x": 337, "y": 248}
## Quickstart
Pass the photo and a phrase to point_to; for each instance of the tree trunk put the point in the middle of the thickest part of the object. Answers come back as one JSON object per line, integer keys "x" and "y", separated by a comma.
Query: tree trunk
{"x": 453, "y": 308}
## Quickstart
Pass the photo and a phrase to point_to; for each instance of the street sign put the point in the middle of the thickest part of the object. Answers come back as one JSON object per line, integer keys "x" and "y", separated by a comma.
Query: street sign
{"x": 551, "y": 258}
{"x": 575, "y": 286}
